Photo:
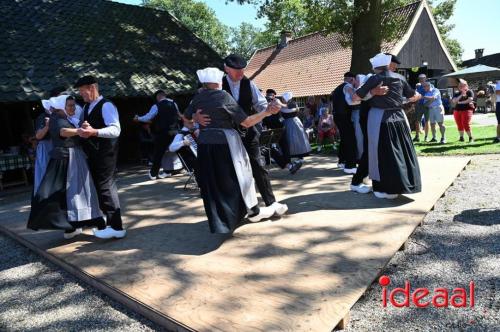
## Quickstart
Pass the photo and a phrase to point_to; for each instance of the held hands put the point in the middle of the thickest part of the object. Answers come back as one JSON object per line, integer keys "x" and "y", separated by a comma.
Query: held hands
{"x": 86, "y": 130}
{"x": 274, "y": 106}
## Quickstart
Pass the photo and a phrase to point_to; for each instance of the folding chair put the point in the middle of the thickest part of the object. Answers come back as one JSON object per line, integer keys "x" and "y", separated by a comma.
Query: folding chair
{"x": 191, "y": 179}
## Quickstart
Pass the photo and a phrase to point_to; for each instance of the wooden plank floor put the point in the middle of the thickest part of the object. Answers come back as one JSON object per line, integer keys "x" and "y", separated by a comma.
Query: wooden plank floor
{"x": 300, "y": 273}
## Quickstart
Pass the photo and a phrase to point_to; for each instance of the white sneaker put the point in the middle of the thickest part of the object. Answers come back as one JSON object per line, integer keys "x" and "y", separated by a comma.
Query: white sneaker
{"x": 319, "y": 148}
{"x": 163, "y": 175}
{"x": 350, "y": 170}
{"x": 340, "y": 165}
{"x": 151, "y": 177}
{"x": 71, "y": 235}
{"x": 109, "y": 233}
{"x": 380, "y": 194}
{"x": 361, "y": 188}
{"x": 279, "y": 208}
{"x": 264, "y": 213}
{"x": 391, "y": 196}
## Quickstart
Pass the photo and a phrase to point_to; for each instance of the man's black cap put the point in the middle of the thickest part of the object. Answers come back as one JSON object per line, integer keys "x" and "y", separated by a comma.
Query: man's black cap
{"x": 394, "y": 58}
{"x": 269, "y": 91}
{"x": 235, "y": 61}
{"x": 159, "y": 92}
{"x": 349, "y": 74}
{"x": 85, "y": 80}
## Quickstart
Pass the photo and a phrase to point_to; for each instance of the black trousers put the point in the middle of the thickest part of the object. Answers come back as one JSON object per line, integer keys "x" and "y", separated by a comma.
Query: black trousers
{"x": 347, "y": 149}
{"x": 362, "y": 170}
{"x": 102, "y": 168}
{"x": 161, "y": 143}
{"x": 257, "y": 162}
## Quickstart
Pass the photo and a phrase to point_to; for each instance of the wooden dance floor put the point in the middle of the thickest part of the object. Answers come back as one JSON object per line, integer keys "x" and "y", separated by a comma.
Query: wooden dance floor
{"x": 300, "y": 273}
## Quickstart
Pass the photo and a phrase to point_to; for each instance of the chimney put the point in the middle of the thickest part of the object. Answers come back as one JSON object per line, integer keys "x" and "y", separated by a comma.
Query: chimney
{"x": 479, "y": 53}
{"x": 284, "y": 39}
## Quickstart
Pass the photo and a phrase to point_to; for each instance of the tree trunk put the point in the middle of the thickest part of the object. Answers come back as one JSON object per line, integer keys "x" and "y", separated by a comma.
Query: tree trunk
{"x": 366, "y": 34}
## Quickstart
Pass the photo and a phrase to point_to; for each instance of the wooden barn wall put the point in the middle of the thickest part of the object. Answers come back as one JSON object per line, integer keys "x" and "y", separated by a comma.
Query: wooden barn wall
{"x": 423, "y": 45}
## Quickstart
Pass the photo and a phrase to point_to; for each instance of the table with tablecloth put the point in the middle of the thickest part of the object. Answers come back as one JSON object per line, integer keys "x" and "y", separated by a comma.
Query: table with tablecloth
{"x": 10, "y": 162}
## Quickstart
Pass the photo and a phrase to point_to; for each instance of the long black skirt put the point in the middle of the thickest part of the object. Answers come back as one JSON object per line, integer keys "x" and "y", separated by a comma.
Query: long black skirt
{"x": 49, "y": 205}
{"x": 220, "y": 189}
{"x": 398, "y": 163}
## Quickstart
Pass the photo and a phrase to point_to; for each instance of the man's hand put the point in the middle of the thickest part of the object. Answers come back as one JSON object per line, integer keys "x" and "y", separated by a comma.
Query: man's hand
{"x": 379, "y": 90}
{"x": 47, "y": 122}
{"x": 202, "y": 119}
{"x": 275, "y": 106}
{"x": 86, "y": 130}
{"x": 186, "y": 142}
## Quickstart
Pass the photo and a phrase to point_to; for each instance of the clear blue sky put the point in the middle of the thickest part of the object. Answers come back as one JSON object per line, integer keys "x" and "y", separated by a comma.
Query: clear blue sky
{"x": 477, "y": 22}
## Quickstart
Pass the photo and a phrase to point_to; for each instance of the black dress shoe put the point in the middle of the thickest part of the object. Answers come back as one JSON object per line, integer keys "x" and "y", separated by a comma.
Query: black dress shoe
{"x": 295, "y": 167}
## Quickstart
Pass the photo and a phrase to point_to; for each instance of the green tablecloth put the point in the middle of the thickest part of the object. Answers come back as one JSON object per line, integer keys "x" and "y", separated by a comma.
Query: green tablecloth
{"x": 9, "y": 162}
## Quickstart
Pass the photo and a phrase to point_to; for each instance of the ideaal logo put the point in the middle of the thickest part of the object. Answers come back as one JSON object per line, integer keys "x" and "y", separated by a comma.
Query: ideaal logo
{"x": 422, "y": 297}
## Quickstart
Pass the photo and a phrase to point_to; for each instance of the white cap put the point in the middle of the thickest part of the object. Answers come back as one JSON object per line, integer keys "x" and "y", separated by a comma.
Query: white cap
{"x": 422, "y": 76}
{"x": 380, "y": 60}
{"x": 58, "y": 102}
{"x": 210, "y": 75}
{"x": 287, "y": 96}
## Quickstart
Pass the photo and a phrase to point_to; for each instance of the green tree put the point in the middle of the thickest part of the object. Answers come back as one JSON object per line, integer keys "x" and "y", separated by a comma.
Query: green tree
{"x": 245, "y": 39}
{"x": 198, "y": 18}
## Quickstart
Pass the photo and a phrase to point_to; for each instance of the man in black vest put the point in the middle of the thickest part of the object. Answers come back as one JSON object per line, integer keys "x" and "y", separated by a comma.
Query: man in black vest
{"x": 165, "y": 117}
{"x": 101, "y": 128}
{"x": 342, "y": 118}
{"x": 248, "y": 96}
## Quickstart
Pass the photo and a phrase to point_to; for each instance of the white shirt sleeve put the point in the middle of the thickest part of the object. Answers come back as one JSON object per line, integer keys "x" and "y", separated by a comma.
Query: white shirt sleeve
{"x": 258, "y": 100}
{"x": 153, "y": 111}
{"x": 348, "y": 96}
{"x": 177, "y": 143}
{"x": 111, "y": 120}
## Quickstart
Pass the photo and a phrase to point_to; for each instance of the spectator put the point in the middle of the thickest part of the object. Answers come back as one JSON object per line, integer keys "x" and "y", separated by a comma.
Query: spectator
{"x": 464, "y": 108}
{"x": 497, "y": 111}
{"x": 421, "y": 111}
{"x": 326, "y": 128}
{"x": 433, "y": 102}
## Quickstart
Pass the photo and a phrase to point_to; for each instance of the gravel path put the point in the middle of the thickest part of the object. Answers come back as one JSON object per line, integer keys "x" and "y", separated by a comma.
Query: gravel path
{"x": 35, "y": 295}
{"x": 459, "y": 242}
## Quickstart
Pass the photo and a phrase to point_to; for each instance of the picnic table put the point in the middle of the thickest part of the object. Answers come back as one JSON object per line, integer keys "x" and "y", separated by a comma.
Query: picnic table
{"x": 10, "y": 161}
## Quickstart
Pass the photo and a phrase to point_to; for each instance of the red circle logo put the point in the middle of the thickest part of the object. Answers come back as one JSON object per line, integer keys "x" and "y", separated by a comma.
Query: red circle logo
{"x": 384, "y": 281}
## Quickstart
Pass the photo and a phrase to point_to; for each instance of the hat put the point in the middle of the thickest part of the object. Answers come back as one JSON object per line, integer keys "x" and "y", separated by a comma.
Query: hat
{"x": 349, "y": 74}
{"x": 210, "y": 75}
{"x": 58, "y": 102}
{"x": 287, "y": 96}
{"x": 85, "y": 80}
{"x": 235, "y": 61}
{"x": 380, "y": 60}
{"x": 394, "y": 58}
{"x": 422, "y": 76}
{"x": 363, "y": 78}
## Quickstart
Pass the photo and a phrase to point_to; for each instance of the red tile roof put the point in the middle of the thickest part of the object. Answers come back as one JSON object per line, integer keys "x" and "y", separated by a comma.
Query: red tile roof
{"x": 314, "y": 64}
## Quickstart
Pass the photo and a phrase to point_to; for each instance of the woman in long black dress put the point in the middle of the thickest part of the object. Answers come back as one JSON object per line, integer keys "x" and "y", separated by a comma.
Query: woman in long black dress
{"x": 66, "y": 198}
{"x": 392, "y": 160}
{"x": 226, "y": 181}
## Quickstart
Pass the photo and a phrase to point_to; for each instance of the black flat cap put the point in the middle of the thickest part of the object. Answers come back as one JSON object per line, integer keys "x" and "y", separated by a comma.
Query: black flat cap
{"x": 158, "y": 93}
{"x": 349, "y": 74}
{"x": 85, "y": 80}
{"x": 235, "y": 61}
{"x": 269, "y": 91}
{"x": 394, "y": 58}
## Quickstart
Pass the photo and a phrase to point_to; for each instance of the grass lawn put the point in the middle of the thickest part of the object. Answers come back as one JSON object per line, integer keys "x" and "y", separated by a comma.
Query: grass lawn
{"x": 483, "y": 142}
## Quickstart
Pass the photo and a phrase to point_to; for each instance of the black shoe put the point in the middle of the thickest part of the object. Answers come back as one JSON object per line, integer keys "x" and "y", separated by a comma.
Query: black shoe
{"x": 461, "y": 139}
{"x": 471, "y": 140}
{"x": 416, "y": 139}
{"x": 496, "y": 140}
{"x": 443, "y": 141}
{"x": 433, "y": 140}
{"x": 295, "y": 167}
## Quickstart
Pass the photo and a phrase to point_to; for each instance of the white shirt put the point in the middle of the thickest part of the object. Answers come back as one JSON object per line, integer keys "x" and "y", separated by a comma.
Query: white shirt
{"x": 497, "y": 88}
{"x": 259, "y": 102}
{"x": 348, "y": 95}
{"x": 153, "y": 111}
{"x": 110, "y": 117}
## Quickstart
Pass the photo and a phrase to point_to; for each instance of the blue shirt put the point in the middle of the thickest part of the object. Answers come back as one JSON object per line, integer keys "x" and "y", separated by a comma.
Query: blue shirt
{"x": 436, "y": 94}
